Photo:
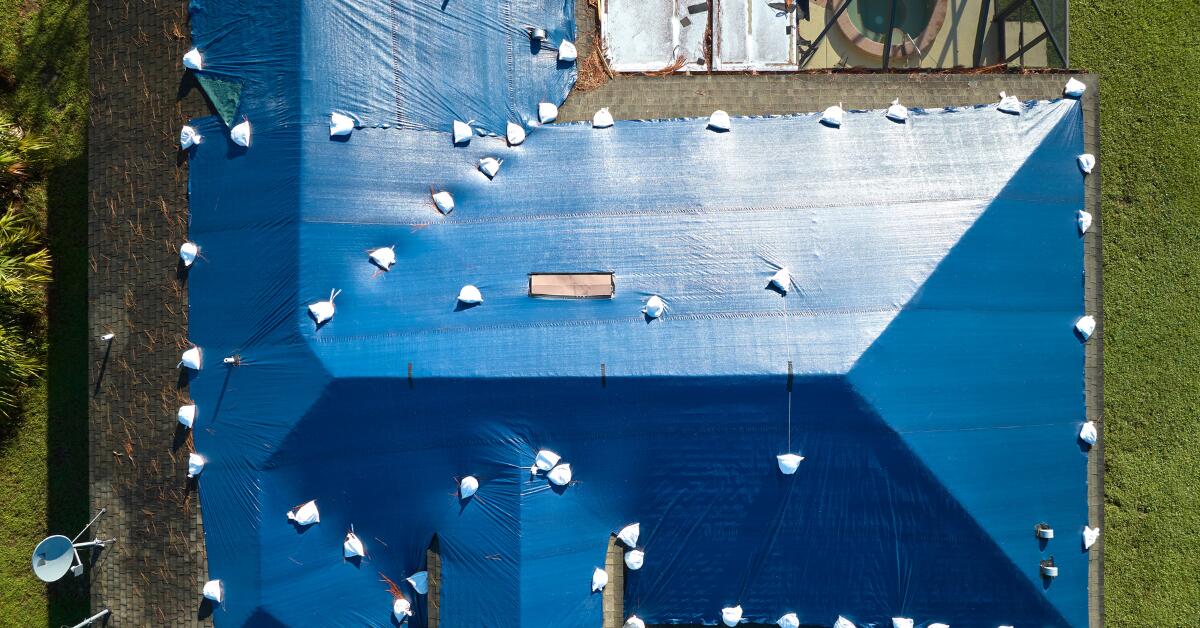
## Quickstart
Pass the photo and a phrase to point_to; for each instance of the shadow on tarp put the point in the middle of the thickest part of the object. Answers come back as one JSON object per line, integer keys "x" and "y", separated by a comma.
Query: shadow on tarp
{"x": 677, "y": 454}
{"x": 993, "y": 327}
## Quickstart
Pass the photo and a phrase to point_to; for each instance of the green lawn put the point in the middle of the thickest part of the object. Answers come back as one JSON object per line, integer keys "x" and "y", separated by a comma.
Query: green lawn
{"x": 43, "y": 46}
{"x": 1148, "y": 54}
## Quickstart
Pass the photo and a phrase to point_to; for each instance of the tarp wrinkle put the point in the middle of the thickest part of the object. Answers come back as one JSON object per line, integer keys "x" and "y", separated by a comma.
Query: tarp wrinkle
{"x": 897, "y": 309}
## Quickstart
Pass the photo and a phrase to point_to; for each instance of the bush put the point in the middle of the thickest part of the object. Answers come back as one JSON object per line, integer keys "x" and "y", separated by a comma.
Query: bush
{"x": 20, "y": 154}
{"x": 24, "y": 270}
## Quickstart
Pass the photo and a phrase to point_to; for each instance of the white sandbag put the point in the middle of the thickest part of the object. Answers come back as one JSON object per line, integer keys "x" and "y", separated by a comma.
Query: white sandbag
{"x": 1087, "y": 162}
{"x": 567, "y": 51}
{"x": 788, "y": 621}
{"x": 240, "y": 134}
{"x": 634, "y": 559}
{"x": 634, "y": 622}
{"x": 353, "y": 547}
{"x": 186, "y": 415}
{"x": 443, "y": 201}
{"x": 419, "y": 582}
{"x": 731, "y": 615}
{"x": 462, "y": 132}
{"x": 719, "y": 121}
{"x": 1088, "y": 433}
{"x": 401, "y": 609}
{"x": 305, "y": 514}
{"x": 599, "y": 579}
{"x": 214, "y": 590}
{"x": 655, "y": 307}
{"x": 560, "y": 475}
{"x": 490, "y": 166}
{"x": 1085, "y": 326}
{"x": 515, "y": 134}
{"x": 384, "y": 257}
{"x": 832, "y": 116}
{"x": 1008, "y": 104}
{"x": 470, "y": 295}
{"x": 546, "y": 460}
{"x": 1074, "y": 88}
{"x": 189, "y": 137}
{"x": 842, "y": 622}
{"x": 547, "y": 112}
{"x": 188, "y": 252}
{"x": 467, "y": 487}
{"x": 1090, "y": 536}
{"x": 193, "y": 60}
{"x": 902, "y": 622}
{"x": 340, "y": 124}
{"x": 629, "y": 534}
{"x": 897, "y": 112}
{"x": 602, "y": 119}
{"x": 196, "y": 464}
{"x": 782, "y": 280}
{"x": 191, "y": 359}
{"x": 323, "y": 310}
{"x": 1084, "y": 220}
{"x": 788, "y": 463}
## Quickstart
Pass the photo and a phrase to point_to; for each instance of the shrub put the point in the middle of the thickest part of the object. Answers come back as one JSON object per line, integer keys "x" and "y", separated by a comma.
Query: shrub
{"x": 24, "y": 270}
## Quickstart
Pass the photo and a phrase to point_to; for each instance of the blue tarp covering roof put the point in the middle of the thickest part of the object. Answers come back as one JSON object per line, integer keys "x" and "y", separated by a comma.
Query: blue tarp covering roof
{"x": 923, "y": 363}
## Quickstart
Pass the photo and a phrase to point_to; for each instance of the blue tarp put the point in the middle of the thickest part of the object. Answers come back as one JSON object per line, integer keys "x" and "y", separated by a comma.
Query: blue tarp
{"x": 923, "y": 363}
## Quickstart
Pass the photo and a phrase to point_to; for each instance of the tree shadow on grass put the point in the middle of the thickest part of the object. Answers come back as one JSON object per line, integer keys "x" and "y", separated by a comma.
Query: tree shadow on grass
{"x": 67, "y": 375}
{"x": 51, "y": 72}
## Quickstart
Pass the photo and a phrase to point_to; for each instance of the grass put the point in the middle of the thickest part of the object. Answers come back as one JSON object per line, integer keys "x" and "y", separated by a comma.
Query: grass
{"x": 1148, "y": 55}
{"x": 43, "y": 457}
{"x": 23, "y": 517}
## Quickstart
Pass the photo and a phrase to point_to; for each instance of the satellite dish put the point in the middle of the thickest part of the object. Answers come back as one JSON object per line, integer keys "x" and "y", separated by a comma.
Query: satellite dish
{"x": 53, "y": 557}
{"x": 56, "y": 555}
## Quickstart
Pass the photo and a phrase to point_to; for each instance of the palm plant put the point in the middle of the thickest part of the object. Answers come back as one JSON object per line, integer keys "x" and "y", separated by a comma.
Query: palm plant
{"x": 24, "y": 270}
{"x": 19, "y": 153}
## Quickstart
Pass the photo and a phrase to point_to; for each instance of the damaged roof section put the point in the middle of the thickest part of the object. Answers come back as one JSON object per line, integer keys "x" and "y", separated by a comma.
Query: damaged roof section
{"x": 672, "y": 36}
{"x": 791, "y": 35}
{"x": 652, "y": 36}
